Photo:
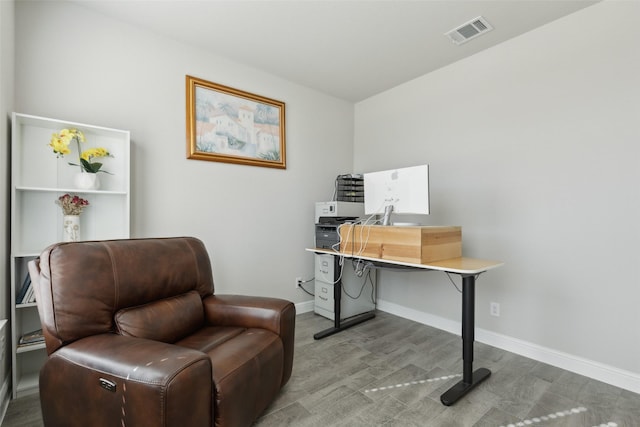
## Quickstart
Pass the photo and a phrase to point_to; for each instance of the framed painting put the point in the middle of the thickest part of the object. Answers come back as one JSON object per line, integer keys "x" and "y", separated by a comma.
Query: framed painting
{"x": 233, "y": 126}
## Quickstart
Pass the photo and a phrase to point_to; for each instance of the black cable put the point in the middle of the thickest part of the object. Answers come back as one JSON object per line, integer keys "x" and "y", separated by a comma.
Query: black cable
{"x": 373, "y": 289}
{"x": 302, "y": 287}
{"x": 454, "y": 284}
{"x": 364, "y": 283}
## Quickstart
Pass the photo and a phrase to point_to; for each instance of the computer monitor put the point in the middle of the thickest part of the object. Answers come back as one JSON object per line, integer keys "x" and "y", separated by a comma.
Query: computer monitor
{"x": 401, "y": 191}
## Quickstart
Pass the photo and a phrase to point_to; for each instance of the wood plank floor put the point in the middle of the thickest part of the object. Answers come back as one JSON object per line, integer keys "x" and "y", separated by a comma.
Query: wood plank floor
{"x": 391, "y": 371}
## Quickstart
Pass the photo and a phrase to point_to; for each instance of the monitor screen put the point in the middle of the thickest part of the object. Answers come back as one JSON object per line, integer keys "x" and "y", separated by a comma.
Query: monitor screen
{"x": 406, "y": 190}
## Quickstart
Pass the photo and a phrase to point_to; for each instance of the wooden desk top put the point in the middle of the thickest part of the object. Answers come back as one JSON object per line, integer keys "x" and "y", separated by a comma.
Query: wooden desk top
{"x": 454, "y": 265}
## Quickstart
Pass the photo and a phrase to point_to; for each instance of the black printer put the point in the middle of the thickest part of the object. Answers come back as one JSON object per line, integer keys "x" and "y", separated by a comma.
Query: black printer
{"x": 327, "y": 234}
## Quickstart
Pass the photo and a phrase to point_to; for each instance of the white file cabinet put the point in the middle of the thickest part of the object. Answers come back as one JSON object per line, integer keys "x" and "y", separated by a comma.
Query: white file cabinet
{"x": 355, "y": 298}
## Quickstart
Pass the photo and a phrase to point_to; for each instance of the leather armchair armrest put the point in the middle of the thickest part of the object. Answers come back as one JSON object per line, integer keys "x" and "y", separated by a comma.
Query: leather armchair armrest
{"x": 274, "y": 314}
{"x": 248, "y": 311}
{"x": 110, "y": 379}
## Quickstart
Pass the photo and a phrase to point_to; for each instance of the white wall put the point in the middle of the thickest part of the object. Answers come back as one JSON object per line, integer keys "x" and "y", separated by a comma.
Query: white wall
{"x": 254, "y": 221}
{"x": 6, "y": 106}
{"x": 534, "y": 148}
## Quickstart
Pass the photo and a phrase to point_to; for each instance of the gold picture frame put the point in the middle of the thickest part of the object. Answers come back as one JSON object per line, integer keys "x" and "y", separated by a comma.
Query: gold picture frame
{"x": 233, "y": 126}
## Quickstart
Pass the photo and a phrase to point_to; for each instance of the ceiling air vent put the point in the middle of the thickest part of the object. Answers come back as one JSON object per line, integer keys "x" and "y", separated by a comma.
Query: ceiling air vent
{"x": 469, "y": 30}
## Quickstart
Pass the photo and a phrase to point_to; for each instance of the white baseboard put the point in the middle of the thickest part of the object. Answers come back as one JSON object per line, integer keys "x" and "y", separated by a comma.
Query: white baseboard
{"x": 305, "y": 307}
{"x": 579, "y": 365}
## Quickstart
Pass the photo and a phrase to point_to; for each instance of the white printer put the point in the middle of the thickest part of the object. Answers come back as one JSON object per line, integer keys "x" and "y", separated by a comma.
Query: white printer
{"x": 354, "y": 209}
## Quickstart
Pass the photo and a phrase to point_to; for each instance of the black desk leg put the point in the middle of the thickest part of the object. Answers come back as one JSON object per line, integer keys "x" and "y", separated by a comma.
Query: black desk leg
{"x": 353, "y": 321}
{"x": 470, "y": 379}
{"x": 338, "y": 325}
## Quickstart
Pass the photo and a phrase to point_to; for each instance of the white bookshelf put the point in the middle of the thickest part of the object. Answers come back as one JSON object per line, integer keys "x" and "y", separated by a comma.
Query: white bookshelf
{"x": 38, "y": 178}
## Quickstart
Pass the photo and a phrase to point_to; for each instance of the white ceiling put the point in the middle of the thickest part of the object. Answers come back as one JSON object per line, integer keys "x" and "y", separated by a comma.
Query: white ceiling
{"x": 351, "y": 49}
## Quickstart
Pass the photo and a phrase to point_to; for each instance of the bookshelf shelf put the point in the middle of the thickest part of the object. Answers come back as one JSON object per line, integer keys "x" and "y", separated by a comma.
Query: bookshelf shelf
{"x": 38, "y": 179}
{"x": 70, "y": 190}
{"x": 23, "y": 348}
{"x": 27, "y": 305}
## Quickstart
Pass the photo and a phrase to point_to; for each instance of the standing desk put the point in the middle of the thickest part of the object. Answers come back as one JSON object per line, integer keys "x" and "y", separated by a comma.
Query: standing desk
{"x": 468, "y": 269}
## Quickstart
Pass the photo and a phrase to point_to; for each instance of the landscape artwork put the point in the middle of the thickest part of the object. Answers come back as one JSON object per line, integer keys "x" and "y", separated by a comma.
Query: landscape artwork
{"x": 229, "y": 125}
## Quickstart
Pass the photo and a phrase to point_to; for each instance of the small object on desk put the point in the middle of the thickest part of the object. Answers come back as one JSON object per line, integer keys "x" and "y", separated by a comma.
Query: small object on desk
{"x": 421, "y": 245}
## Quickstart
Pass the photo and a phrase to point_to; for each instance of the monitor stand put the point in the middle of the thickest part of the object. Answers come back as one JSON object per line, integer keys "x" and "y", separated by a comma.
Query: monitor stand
{"x": 386, "y": 219}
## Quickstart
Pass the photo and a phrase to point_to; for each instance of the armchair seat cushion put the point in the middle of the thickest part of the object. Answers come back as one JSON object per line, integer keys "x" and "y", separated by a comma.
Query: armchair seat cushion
{"x": 210, "y": 337}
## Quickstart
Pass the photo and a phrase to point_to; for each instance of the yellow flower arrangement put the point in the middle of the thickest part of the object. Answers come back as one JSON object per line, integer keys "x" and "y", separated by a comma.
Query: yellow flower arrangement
{"x": 60, "y": 144}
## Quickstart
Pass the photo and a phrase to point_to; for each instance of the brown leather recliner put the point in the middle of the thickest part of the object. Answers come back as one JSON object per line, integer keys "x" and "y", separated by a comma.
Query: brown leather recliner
{"x": 136, "y": 337}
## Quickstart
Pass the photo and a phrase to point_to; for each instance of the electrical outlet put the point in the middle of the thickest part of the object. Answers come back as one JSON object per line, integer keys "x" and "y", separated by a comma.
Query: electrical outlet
{"x": 494, "y": 309}
{"x": 298, "y": 282}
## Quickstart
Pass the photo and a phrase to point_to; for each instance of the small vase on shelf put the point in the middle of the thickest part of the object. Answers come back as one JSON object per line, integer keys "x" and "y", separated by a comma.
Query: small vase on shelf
{"x": 86, "y": 181}
{"x": 71, "y": 228}
{"x": 72, "y": 207}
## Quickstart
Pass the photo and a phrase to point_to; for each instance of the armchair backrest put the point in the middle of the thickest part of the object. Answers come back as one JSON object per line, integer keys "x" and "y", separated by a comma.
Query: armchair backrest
{"x": 80, "y": 286}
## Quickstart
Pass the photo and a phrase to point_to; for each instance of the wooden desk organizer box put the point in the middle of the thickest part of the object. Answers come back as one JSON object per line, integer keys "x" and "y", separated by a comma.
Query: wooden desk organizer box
{"x": 412, "y": 244}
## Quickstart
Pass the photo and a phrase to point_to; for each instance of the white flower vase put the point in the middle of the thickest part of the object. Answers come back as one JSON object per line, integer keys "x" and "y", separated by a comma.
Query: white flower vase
{"x": 86, "y": 181}
{"x": 71, "y": 228}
